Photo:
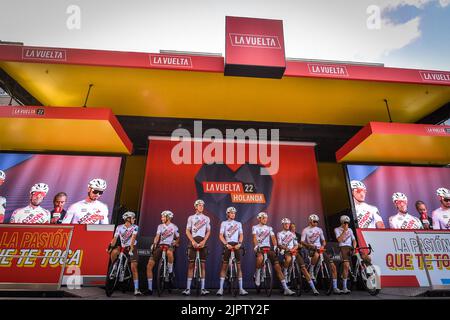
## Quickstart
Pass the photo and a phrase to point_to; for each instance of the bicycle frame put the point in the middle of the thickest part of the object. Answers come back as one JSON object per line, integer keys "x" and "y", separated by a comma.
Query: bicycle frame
{"x": 265, "y": 269}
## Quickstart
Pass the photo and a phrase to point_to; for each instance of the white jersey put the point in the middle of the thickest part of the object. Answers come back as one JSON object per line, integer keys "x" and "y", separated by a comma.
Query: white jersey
{"x": 441, "y": 219}
{"x": 30, "y": 215}
{"x": 263, "y": 234}
{"x": 313, "y": 235}
{"x": 367, "y": 215}
{"x": 167, "y": 233}
{"x": 404, "y": 221}
{"x": 198, "y": 224}
{"x": 125, "y": 234}
{"x": 349, "y": 237}
{"x": 287, "y": 239}
{"x": 231, "y": 230}
{"x": 84, "y": 212}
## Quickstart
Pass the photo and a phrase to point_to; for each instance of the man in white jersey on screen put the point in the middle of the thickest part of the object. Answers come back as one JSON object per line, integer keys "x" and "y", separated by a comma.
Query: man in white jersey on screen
{"x": 403, "y": 220}
{"x": 289, "y": 247}
{"x": 262, "y": 235}
{"x": 89, "y": 210}
{"x": 127, "y": 234}
{"x": 2, "y": 199}
{"x": 198, "y": 230}
{"x": 166, "y": 235}
{"x": 33, "y": 213}
{"x": 441, "y": 216}
{"x": 231, "y": 235}
{"x": 368, "y": 216}
{"x": 314, "y": 240}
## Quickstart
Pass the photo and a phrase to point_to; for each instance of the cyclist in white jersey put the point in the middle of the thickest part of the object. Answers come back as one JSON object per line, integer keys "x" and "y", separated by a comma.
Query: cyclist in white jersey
{"x": 347, "y": 242}
{"x": 288, "y": 244}
{"x": 127, "y": 234}
{"x": 314, "y": 240}
{"x": 166, "y": 234}
{"x": 2, "y": 199}
{"x": 89, "y": 210}
{"x": 33, "y": 213}
{"x": 231, "y": 235}
{"x": 441, "y": 216}
{"x": 368, "y": 216}
{"x": 198, "y": 230}
{"x": 262, "y": 235}
{"x": 403, "y": 220}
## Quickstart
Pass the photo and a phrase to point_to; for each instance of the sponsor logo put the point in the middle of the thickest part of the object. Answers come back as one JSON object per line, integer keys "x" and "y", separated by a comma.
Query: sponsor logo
{"x": 232, "y": 230}
{"x": 436, "y": 130}
{"x": 171, "y": 61}
{"x": 435, "y": 76}
{"x": 254, "y": 41}
{"x": 168, "y": 232}
{"x": 262, "y": 235}
{"x": 199, "y": 224}
{"x": 365, "y": 219}
{"x": 44, "y": 54}
{"x": 24, "y": 111}
{"x": 287, "y": 238}
{"x": 331, "y": 70}
{"x": 239, "y": 192}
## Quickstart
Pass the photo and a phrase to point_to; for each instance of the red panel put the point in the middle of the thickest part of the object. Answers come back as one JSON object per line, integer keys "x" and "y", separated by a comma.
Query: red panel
{"x": 399, "y": 281}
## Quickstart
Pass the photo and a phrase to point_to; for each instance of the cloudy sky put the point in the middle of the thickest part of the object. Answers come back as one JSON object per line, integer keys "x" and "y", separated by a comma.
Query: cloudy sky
{"x": 409, "y": 33}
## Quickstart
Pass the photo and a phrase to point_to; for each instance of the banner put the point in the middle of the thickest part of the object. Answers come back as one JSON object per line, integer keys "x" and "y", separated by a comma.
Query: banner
{"x": 292, "y": 190}
{"x": 398, "y": 254}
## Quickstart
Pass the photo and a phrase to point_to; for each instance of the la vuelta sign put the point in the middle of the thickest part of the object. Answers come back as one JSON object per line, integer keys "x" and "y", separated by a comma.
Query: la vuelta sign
{"x": 255, "y": 41}
{"x": 170, "y": 61}
{"x": 29, "y": 53}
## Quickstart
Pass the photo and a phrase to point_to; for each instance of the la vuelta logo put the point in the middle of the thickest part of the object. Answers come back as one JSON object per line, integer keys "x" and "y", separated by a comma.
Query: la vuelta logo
{"x": 171, "y": 61}
{"x": 255, "y": 41}
{"x": 43, "y": 54}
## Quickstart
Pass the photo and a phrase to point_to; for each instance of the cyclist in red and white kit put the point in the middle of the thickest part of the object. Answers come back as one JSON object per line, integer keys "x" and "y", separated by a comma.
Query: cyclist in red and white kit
{"x": 89, "y": 210}
{"x": 314, "y": 240}
{"x": 198, "y": 230}
{"x": 166, "y": 234}
{"x": 441, "y": 216}
{"x": 288, "y": 245}
{"x": 231, "y": 235}
{"x": 262, "y": 234}
{"x": 347, "y": 242}
{"x": 403, "y": 220}
{"x": 33, "y": 213}
{"x": 368, "y": 216}
{"x": 127, "y": 234}
{"x": 2, "y": 199}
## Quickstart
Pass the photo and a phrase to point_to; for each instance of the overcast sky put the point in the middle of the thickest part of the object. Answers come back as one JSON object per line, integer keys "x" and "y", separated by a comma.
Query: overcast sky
{"x": 411, "y": 33}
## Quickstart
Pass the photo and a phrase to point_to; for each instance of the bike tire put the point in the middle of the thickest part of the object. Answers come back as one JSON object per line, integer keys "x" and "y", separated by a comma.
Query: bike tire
{"x": 160, "y": 281}
{"x": 234, "y": 286}
{"x": 197, "y": 281}
{"x": 326, "y": 280}
{"x": 111, "y": 280}
{"x": 297, "y": 281}
{"x": 268, "y": 283}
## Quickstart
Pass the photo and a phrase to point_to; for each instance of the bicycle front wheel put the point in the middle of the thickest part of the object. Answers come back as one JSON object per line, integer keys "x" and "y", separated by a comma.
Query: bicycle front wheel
{"x": 160, "y": 276}
{"x": 369, "y": 279}
{"x": 112, "y": 278}
{"x": 296, "y": 282}
{"x": 268, "y": 279}
{"x": 234, "y": 286}
{"x": 326, "y": 280}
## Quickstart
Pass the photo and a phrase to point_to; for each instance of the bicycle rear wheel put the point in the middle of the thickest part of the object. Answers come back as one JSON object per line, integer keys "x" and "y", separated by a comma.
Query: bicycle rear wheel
{"x": 368, "y": 279}
{"x": 112, "y": 278}
{"x": 160, "y": 279}
{"x": 325, "y": 278}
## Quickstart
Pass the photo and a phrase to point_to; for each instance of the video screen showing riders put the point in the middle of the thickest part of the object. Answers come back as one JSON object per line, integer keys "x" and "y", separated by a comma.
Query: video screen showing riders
{"x": 57, "y": 189}
{"x": 396, "y": 197}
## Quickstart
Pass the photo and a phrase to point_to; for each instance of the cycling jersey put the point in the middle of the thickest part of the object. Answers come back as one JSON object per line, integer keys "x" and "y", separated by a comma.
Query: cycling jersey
{"x": 198, "y": 224}
{"x": 263, "y": 234}
{"x": 349, "y": 237}
{"x": 313, "y": 235}
{"x": 287, "y": 239}
{"x": 167, "y": 233}
{"x": 231, "y": 230}
{"x": 441, "y": 219}
{"x": 30, "y": 215}
{"x": 404, "y": 221}
{"x": 84, "y": 212}
{"x": 125, "y": 234}
{"x": 367, "y": 215}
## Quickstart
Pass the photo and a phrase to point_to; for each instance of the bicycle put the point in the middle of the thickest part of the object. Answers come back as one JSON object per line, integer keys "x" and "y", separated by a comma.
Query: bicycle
{"x": 294, "y": 276}
{"x": 266, "y": 274}
{"x": 363, "y": 273}
{"x": 119, "y": 273}
{"x": 322, "y": 271}
{"x": 232, "y": 274}
{"x": 163, "y": 275}
{"x": 196, "y": 279}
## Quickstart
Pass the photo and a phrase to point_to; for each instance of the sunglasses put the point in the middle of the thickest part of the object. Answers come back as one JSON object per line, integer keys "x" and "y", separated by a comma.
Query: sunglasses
{"x": 315, "y": 222}
{"x": 97, "y": 192}
{"x": 446, "y": 199}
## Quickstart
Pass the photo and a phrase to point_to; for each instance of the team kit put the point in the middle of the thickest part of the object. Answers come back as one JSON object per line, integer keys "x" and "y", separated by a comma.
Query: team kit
{"x": 281, "y": 249}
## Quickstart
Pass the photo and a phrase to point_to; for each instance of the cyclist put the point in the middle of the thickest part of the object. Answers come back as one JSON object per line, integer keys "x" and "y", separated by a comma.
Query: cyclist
{"x": 262, "y": 234}
{"x": 166, "y": 234}
{"x": 33, "y": 213}
{"x": 347, "y": 242}
{"x": 368, "y": 216}
{"x": 231, "y": 235}
{"x": 288, "y": 244}
{"x": 441, "y": 216}
{"x": 89, "y": 210}
{"x": 2, "y": 199}
{"x": 198, "y": 230}
{"x": 403, "y": 220}
{"x": 127, "y": 234}
{"x": 314, "y": 240}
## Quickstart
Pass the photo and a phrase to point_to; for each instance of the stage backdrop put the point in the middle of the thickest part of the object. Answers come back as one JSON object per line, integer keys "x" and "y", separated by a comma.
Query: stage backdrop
{"x": 292, "y": 192}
